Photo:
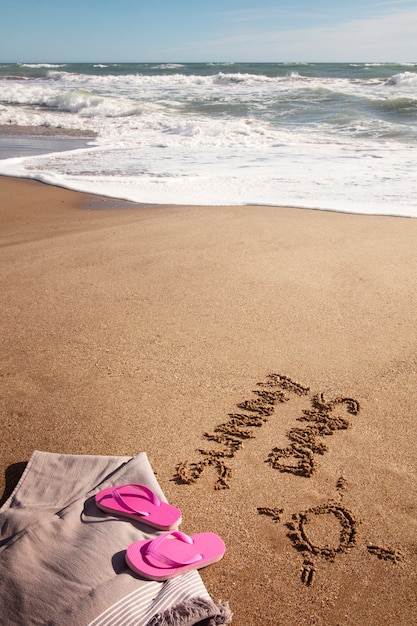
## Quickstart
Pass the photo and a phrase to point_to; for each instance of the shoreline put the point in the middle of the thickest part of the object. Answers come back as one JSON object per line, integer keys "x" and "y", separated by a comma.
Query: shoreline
{"x": 44, "y": 131}
{"x": 24, "y": 141}
{"x": 102, "y": 202}
{"x": 27, "y": 141}
{"x": 154, "y": 329}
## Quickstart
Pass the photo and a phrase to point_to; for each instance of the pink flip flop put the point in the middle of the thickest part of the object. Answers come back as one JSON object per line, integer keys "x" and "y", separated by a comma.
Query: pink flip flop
{"x": 138, "y": 503}
{"x": 173, "y": 553}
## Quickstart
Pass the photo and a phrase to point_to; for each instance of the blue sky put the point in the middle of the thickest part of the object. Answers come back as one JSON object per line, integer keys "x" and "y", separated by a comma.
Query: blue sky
{"x": 216, "y": 30}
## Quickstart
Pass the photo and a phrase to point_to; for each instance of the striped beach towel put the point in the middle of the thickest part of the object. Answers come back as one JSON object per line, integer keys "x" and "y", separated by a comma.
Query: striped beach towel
{"x": 62, "y": 559}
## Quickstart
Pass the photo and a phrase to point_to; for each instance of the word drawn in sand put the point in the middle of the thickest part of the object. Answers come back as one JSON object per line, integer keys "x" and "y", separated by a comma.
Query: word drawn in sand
{"x": 322, "y": 419}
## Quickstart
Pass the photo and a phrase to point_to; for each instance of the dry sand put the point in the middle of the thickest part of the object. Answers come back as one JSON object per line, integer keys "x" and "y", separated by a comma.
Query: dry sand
{"x": 268, "y": 350}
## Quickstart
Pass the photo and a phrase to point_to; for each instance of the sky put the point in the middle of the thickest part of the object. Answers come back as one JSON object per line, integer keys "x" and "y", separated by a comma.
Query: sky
{"x": 40, "y": 31}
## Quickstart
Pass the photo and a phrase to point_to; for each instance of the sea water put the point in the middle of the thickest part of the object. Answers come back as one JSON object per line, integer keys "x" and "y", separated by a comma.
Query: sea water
{"x": 321, "y": 136}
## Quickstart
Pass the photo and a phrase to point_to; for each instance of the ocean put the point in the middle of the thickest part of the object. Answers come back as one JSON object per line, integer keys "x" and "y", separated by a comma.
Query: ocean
{"x": 320, "y": 136}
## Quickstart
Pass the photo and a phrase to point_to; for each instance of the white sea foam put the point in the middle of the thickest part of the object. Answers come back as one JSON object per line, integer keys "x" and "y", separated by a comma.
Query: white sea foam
{"x": 168, "y": 66}
{"x": 329, "y": 142}
{"x": 42, "y": 65}
{"x": 405, "y": 79}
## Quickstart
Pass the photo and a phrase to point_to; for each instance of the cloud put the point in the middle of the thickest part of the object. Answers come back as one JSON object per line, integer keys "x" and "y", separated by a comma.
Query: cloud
{"x": 385, "y": 38}
{"x": 395, "y": 3}
{"x": 265, "y": 14}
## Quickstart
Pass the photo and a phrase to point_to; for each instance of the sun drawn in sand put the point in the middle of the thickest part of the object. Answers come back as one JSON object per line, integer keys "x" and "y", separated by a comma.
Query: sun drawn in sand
{"x": 325, "y": 532}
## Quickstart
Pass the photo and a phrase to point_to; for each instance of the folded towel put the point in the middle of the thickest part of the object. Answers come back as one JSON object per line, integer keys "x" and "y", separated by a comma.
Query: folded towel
{"x": 62, "y": 559}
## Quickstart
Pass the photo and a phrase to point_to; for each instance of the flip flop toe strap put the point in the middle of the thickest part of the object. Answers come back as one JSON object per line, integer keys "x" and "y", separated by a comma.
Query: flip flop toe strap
{"x": 152, "y": 550}
{"x": 122, "y": 502}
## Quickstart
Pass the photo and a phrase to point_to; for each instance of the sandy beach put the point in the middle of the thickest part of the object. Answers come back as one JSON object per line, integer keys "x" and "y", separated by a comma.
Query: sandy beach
{"x": 265, "y": 360}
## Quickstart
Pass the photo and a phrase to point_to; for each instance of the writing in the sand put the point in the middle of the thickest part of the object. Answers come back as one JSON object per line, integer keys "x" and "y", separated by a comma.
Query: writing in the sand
{"x": 305, "y": 442}
{"x": 299, "y": 457}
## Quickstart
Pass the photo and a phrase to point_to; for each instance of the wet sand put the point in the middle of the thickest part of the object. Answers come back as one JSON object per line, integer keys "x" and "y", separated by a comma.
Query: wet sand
{"x": 263, "y": 357}
{"x": 20, "y": 141}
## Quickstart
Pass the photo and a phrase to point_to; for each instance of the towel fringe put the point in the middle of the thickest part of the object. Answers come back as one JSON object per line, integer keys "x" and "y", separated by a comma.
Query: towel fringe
{"x": 192, "y": 612}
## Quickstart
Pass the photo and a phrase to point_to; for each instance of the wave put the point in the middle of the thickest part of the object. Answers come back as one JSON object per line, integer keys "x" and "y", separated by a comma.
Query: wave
{"x": 76, "y": 101}
{"x": 42, "y": 65}
{"x": 168, "y": 66}
{"x": 176, "y": 79}
{"x": 399, "y": 106}
{"x": 246, "y": 133}
{"x": 259, "y": 104}
{"x": 406, "y": 64}
{"x": 403, "y": 79}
